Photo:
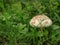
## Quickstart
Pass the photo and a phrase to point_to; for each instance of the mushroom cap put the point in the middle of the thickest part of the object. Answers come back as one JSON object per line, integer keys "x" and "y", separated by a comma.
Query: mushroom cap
{"x": 40, "y": 21}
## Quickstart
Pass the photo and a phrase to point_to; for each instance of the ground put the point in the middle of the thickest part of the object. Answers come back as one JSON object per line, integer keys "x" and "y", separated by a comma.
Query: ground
{"x": 14, "y": 22}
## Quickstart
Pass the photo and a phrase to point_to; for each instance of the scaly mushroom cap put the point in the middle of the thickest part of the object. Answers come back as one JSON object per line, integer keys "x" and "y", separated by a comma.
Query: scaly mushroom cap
{"x": 40, "y": 21}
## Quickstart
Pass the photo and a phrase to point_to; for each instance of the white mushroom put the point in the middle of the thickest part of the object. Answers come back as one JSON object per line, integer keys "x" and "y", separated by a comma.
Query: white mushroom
{"x": 40, "y": 21}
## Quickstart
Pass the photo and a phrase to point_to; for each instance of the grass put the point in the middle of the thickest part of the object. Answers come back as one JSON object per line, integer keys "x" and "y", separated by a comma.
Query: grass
{"x": 14, "y": 22}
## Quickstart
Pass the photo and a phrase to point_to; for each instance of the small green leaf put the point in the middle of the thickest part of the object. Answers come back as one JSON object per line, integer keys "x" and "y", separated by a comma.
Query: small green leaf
{"x": 39, "y": 33}
{"x": 20, "y": 26}
{"x": 24, "y": 31}
{"x": 46, "y": 33}
{"x": 54, "y": 27}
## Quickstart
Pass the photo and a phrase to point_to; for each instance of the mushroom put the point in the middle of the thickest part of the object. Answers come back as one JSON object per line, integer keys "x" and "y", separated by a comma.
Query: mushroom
{"x": 40, "y": 21}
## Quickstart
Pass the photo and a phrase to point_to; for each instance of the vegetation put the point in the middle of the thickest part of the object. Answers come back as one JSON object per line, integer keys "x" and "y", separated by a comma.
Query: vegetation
{"x": 14, "y": 22}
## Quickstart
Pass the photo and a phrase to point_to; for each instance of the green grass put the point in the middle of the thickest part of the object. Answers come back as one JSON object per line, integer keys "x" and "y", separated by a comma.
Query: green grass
{"x": 14, "y": 22}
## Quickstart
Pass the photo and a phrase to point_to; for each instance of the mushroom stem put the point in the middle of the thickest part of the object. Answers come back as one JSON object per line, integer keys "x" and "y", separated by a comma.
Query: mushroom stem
{"x": 41, "y": 29}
